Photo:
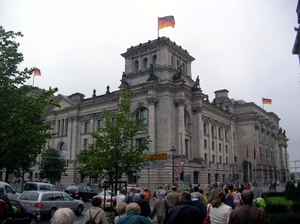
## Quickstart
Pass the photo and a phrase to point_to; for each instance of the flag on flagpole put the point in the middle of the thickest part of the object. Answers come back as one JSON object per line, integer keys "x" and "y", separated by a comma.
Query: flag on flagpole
{"x": 37, "y": 72}
{"x": 254, "y": 154}
{"x": 266, "y": 101}
{"x": 166, "y": 21}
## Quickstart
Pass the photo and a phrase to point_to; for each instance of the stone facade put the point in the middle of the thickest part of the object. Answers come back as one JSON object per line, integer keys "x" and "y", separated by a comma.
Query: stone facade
{"x": 215, "y": 139}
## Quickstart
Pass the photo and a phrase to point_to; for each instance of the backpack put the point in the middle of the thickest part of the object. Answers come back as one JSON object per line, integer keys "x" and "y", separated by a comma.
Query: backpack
{"x": 92, "y": 220}
{"x": 129, "y": 199}
{"x": 3, "y": 207}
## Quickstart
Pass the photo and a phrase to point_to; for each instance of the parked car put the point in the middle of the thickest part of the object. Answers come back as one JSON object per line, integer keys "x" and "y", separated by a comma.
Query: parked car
{"x": 81, "y": 192}
{"x": 38, "y": 186}
{"x": 9, "y": 191}
{"x": 25, "y": 215}
{"x": 47, "y": 202}
{"x": 109, "y": 198}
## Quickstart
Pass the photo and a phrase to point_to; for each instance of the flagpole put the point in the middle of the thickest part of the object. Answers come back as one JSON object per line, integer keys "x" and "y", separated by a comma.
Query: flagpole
{"x": 33, "y": 80}
{"x": 157, "y": 27}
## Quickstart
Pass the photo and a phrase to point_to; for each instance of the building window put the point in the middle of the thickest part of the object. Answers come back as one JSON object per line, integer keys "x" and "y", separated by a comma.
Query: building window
{"x": 195, "y": 177}
{"x": 85, "y": 143}
{"x": 132, "y": 177}
{"x": 172, "y": 61}
{"x": 226, "y": 149}
{"x": 145, "y": 63}
{"x": 113, "y": 119}
{"x": 213, "y": 145}
{"x": 220, "y": 159}
{"x": 212, "y": 131}
{"x": 67, "y": 123}
{"x": 62, "y": 126}
{"x": 58, "y": 127}
{"x": 220, "y": 147}
{"x": 213, "y": 159}
{"x": 220, "y": 133}
{"x": 226, "y": 135}
{"x": 154, "y": 60}
{"x": 62, "y": 150}
{"x": 204, "y": 128}
{"x": 205, "y": 158}
{"x": 234, "y": 136}
{"x": 136, "y": 65}
{"x": 99, "y": 123}
{"x": 205, "y": 144}
{"x": 86, "y": 127}
{"x": 235, "y": 159}
{"x": 143, "y": 113}
{"x": 226, "y": 160}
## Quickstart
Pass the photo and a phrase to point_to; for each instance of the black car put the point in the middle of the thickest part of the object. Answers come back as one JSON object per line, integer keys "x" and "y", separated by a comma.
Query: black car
{"x": 25, "y": 215}
{"x": 81, "y": 192}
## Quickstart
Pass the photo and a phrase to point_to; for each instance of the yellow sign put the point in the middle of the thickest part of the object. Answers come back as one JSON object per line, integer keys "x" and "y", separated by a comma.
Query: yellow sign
{"x": 159, "y": 156}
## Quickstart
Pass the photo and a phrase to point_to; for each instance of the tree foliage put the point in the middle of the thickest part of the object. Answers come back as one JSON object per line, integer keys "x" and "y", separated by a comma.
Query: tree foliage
{"x": 23, "y": 130}
{"x": 53, "y": 166}
{"x": 113, "y": 151}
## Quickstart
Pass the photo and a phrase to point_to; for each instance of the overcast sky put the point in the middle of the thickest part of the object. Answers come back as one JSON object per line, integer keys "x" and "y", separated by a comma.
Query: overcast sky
{"x": 239, "y": 45}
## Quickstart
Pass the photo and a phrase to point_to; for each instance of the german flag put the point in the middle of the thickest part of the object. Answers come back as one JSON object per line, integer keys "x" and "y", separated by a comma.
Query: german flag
{"x": 37, "y": 72}
{"x": 266, "y": 101}
{"x": 166, "y": 21}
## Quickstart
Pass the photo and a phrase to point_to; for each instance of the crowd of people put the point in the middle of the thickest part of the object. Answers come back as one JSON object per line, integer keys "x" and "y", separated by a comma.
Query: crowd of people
{"x": 223, "y": 203}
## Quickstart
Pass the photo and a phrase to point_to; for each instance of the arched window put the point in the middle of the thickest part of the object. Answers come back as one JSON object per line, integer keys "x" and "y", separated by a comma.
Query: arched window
{"x": 172, "y": 61}
{"x": 154, "y": 60}
{"x": 178, "y": 64}
{"x": 62, "y": 150}
{"x": 136, "y": 65}
{"x": 143, "y": 113}
{"x": 145, "y": 63}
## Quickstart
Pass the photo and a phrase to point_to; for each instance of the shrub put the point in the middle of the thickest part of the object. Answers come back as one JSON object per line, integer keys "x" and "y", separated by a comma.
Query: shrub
{"x": 284, "y": 218}
{"x": 296, "y": 207}
{"x": 290, "y": 192}
{"x": 296, "y": 196}
{"x": 274, "y": 194}
{"x": 278, "y": 205}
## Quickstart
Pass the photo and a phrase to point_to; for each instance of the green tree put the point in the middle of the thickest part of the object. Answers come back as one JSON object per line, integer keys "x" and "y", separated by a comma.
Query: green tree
{"x": 53, "y": 166}
{"x": 23, "y": 130}
{"x": 113, "y": 152}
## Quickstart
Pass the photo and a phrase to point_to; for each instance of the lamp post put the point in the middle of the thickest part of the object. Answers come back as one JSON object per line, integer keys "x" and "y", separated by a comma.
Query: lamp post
{"x": 173, "y": 154}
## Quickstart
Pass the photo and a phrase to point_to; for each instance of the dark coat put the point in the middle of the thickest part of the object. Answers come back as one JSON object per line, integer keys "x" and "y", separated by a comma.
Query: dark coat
{"x": 145, "y": 208}
{"x": 248, "y": 214}
{"x": 186, "y": 213}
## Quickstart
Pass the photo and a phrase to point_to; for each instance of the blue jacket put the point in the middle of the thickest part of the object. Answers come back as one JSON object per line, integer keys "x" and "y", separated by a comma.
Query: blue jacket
{"x": 229, "y": 201}
{"x": 132, "y": 218}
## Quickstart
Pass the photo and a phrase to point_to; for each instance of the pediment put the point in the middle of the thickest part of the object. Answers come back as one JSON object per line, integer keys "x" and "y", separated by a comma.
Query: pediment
{"x": 64, "y": 102}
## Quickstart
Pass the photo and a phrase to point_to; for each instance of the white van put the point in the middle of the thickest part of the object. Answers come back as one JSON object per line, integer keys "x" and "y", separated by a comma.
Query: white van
{"x": 38, "y": 186}
{"x": 9, "y": 191}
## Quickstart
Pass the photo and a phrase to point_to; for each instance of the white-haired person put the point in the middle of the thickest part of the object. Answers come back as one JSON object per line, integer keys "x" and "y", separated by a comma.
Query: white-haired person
{"x": 132, "y": 215}
{"x": 63, "y": 216}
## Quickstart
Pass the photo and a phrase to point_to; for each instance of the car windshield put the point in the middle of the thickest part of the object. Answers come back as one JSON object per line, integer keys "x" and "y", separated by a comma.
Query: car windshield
{"x": 107, "y": 194}
{"x": 71, "y": 187}
{"x": 30, "y": 196}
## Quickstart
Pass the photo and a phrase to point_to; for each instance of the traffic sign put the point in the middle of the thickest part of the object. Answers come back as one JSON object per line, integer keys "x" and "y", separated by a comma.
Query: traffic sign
{"x": 159, "y": 156}
{"x": 181, "y": 162}
{"x": 177, "y": 170}
{"x": 152, "y": 165}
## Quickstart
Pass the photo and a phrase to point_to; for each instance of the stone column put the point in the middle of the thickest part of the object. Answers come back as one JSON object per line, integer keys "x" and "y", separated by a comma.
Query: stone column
{"x": 181, "y": 129}
{"x": 151, "y": 122}
{"x": 199, "y": 134}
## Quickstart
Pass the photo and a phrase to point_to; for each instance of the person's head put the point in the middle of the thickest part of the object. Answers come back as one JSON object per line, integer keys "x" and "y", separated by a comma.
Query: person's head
{"x": 218, "y": 199}
{"x": 160, "y": 187}
{"x": 201, "y": 190}
{"x": 247, "y": 196}
{"x": 1, "y": 190}
{"x": 184, "y": 196}
{"x": 226, "y": 189}
{"x": 63, "y": 216}
{"x": 96, "y": 201}
{"x": 196, "y": 188}
{"x": 197, "y": 195}
{"x": 121, "y": 208}
{"x": 142, "y": 195}
{"x": 132, "y": 190}
{"x": 122, "y": 191}
{"x": 133, "y": 207}
{"x": 174, "y": 188}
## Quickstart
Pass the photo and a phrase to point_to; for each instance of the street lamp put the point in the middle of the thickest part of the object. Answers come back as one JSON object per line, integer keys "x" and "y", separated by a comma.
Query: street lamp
{"x": 173, "y": 154}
